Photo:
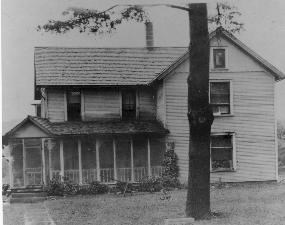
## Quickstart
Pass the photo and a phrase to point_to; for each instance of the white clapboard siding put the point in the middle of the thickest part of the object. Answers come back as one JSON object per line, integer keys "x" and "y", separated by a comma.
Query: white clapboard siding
{"x": 101, "y": 104}
{"x": 147, "y": 108}
{"x": 55, "y": 105}
{"x": 253, "y": 120}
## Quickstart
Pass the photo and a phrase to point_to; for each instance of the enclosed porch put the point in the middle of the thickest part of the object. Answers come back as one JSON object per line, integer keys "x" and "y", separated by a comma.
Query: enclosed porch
{"x": 85, "y": 159}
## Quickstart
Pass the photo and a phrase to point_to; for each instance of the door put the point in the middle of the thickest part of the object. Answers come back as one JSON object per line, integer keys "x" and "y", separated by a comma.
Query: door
{"x": 32, "y": 160}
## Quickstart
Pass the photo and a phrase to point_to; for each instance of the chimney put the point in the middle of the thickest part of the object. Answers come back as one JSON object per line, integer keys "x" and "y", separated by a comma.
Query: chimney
{"x": 149, "y": 35}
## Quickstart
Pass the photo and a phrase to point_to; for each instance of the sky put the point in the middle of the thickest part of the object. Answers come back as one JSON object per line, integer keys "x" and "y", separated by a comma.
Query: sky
{"x": 264, "y": 32}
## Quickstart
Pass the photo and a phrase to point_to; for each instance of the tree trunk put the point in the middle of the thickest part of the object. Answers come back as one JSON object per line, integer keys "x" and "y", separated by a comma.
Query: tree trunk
{"x": 200, "y": 115}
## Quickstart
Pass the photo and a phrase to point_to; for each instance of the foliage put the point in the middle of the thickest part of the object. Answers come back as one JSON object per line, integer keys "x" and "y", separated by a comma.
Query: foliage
{"x": 226, "y": 17}
{"x": 5, "y": 188}
{"x": 98, "y": 22}
{"x": 280, "y": 129}
{"x": 94, "y": 21}
{"x": 55, "y": 187}
{"x": 96, "y": 187}
{"x": 150, "y": 184}
{"x": 124, "y": 187}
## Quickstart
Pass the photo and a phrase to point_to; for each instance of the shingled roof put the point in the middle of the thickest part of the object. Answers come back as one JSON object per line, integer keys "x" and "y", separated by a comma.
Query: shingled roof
{"x": 102, "y": 66}
{"x": 115, "y": 127}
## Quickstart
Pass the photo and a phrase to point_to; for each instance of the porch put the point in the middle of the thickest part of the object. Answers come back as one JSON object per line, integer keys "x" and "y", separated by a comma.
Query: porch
{"x": 83, "y": 159}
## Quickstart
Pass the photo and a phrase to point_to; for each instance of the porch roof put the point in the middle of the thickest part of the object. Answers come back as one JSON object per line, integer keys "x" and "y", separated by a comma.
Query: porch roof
{"x": 91, "y": 127}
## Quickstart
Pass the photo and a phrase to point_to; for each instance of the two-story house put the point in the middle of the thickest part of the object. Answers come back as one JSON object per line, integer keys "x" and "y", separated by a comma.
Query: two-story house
{"x": 106, "y": 114}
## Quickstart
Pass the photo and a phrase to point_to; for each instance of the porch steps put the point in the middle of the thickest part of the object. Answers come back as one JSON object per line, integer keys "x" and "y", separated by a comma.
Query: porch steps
{"x": 28, "y": 195}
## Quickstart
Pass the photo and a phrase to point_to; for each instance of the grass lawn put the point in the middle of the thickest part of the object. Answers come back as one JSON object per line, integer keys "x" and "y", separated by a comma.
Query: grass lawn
{"x": 240, "y": 204}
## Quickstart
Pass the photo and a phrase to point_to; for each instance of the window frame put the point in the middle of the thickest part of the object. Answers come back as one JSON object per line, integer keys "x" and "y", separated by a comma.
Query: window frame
{"x": 231, "y": 96}
{"x": 234, "y": 159}
{"x": 136, "y": 103}
{"x": 212, "y": 57}
{"x": 66, "y": 104}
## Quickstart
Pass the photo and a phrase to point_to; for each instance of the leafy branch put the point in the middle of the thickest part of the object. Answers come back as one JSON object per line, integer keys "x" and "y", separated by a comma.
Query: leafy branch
{"x": 97, "y": 22}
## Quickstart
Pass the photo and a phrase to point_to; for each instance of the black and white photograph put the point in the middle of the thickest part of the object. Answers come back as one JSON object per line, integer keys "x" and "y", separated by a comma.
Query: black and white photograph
{"x": 143, "y": 112}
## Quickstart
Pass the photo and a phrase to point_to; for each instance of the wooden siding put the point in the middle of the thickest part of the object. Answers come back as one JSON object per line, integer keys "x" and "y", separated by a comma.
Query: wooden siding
{"x": 253, "y": 119}
{"x": 55, "y": 105}
{"x": 146, "y": 102}
{"x": 101, "y": 104}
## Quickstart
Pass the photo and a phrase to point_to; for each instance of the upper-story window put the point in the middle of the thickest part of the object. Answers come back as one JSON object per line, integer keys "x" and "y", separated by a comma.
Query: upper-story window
{"x": 73, "y": 105}
{"x": 219, "y": 58}
{"x": 220, "y": 97}
{"x": 128, "y": 104}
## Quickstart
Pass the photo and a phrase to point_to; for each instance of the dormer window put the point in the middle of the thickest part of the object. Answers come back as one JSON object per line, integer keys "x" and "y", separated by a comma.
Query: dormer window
{"x": 219, "y": 58}
{"x": 128, "y": 104}
{"x": 73, "y": 105}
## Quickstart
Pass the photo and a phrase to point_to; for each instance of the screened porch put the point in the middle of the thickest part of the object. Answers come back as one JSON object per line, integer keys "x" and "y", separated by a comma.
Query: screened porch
{"x": 107, "y": 159}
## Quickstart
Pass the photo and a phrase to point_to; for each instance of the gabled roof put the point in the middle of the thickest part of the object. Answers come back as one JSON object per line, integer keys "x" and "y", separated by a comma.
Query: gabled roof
{"x": 278, "y": 75}
{"x": 229, "y": 36}
{"x": 55, "y": 66}
{"x": 115, "y": 127}
{"x": 102, "y": 66}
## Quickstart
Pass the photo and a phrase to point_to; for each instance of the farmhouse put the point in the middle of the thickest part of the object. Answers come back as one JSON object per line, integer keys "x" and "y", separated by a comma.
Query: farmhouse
{"x": 107, "y": 114}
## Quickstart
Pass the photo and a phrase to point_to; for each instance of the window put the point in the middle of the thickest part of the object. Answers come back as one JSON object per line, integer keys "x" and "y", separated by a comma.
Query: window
{"x": 128, "y": 104}
{"x": 220, "y": 97}
{"x": 73, "y": 105}
{"x": 222, "y": 152}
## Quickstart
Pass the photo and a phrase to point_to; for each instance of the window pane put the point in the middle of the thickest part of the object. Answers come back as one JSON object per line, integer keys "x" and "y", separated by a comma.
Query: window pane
{"x": 219, "y": 58}
{"x": 221, "y": 152}
{"x": 220, "y": 97}
{"x": 73, "y": 105}
{"x": 129, "y": 104}
{"x": 221, "y": 141}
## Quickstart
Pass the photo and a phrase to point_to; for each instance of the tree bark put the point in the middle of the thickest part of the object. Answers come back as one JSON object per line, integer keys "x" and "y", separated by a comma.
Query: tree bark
{"x": 200, "y": 115}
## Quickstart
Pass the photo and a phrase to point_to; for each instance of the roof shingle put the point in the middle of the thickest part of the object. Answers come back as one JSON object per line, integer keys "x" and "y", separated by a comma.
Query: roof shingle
{"x": 102, "y": 66}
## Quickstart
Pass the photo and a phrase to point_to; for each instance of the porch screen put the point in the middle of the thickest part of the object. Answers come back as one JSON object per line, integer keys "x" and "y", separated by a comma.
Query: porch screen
{"x": 88, "y": 155}
{"x": 53, "y": 147}
{"x": 157, "y": 149}
{"x": 17, "y": 162}
{"x": 33, "y": 170}
{"x": 140, "y": 158}
{"x": 123, "y": 160}
{"x": 70, "y": 155}
{"x": 106, "y": 160}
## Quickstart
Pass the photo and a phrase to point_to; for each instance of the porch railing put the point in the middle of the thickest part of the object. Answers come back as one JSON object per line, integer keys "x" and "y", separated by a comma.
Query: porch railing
{"x": 107, "y": 174}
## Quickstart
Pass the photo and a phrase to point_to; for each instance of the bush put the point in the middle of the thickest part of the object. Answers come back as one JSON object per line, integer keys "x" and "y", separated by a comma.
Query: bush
{"x": 96, "y": 187}
{"x": 5, "y": 188}
{"x": 124, "y": 187}
{"x": 55, "y": 188}
{"x": 150, "y": 184}
{"x": 170, "y": 168}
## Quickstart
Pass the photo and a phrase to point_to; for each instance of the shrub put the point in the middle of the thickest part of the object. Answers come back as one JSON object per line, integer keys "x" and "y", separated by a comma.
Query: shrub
{"x": 55, "y": 188}
{"x": 170, "y": 168}
{"x": 96, "y": 187}
{"x": 150, "y": 184}
{"x": 124, "y": 187}
{"x": 5, "y": 188}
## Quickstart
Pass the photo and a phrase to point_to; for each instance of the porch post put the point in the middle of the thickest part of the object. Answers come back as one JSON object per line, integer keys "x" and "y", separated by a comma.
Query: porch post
{"x": 132, "y": 161}
{"x": 61, "y": 159}
{"x": 24, "y": 162}
{"x": 43, "y": 162}
{"x": 98, "y": 160}
{"x": 10, "y": 167}
{"x": 79, "y": 161}
{"x": 49, "y": 159}
{"x": 115, "y": 159}
{"x": 148, "y": 157}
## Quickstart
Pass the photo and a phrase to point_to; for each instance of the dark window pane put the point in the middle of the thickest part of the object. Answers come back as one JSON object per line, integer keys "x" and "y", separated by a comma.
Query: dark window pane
{"x": 73, "y": 105}
{"x": 219, "y": 58}
{"x": 221, "y": 152}
{"x": 129, "y": 104}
